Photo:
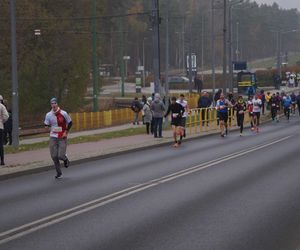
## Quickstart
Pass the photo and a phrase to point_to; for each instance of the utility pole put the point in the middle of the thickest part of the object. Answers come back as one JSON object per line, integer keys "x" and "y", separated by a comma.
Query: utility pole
{"x": 156, "y": 44}
{"x": 237, "y": 52}
{"x": 224, "y": 47}
{"x": 202, "y": 48}
{"x": 95, "y": 64}
{"x": 15, "y": 94}
{"x": 190, "y": 60}
{"x": 279, "y": 53}
{"x": 167, "y": 52}
{"x": 121, "y": 57}
{"x": 213, "y": 38}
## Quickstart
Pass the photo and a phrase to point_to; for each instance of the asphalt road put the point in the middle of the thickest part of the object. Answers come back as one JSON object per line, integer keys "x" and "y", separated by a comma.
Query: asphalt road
{"x": 211, "y": 193}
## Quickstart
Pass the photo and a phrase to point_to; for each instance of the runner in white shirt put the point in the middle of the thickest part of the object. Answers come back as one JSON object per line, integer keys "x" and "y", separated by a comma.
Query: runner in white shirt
{"x": 257, "y": 103}
{"x": 185, "y": 105}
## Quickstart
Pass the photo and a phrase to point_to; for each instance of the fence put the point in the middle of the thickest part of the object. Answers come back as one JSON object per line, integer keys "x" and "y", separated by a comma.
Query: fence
{"x": 94, "y": 120}
{"x": 205, "y": 119}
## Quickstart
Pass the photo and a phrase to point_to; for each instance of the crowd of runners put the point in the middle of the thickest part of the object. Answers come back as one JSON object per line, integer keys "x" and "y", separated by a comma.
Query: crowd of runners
{"x": 227, "y": 108}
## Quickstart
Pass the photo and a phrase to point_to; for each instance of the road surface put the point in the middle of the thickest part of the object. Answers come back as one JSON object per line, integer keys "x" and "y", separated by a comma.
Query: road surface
{"x": 212, "y": 193}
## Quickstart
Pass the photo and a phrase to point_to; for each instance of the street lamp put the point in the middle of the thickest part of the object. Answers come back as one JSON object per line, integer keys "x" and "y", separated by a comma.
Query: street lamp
{"x": 279, "y": 43}
{"x": 144, "y": 78}
{"x": 231, "y": 4}
{"x": 213, "y": 39}
{"x": 14, "y": 73}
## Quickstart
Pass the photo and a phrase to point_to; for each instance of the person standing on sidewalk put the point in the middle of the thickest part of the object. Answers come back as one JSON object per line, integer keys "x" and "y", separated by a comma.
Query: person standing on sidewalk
{"x": 59, "y": 123}
{"x": 158, "y": 109}
{"x": 147, "y": 115}
{"x": 136, "y": 107}
{"x": 3, "y": 119}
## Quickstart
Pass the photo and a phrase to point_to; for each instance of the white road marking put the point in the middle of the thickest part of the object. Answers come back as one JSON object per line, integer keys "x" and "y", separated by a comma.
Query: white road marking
{"x": 26, "y": 229}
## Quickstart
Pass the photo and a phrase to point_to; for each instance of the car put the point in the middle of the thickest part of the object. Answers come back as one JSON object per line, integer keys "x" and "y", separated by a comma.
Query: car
{"x": 178, "y": 79}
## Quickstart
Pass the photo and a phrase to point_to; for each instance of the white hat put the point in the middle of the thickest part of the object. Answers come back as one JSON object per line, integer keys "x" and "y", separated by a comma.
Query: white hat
{"x": 1, "y": 98}
{"x": 149, "y": 99}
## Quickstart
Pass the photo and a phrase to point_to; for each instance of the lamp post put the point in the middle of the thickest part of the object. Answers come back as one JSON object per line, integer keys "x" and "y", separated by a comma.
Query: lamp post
{"x": 225, "y": 46}
{"x": 95, "y": 64}
{"x": 156, "y": 44}
{"x": 279, "y": 46}
{"x": 14, "y": 73}
{"x": 231, "y": 4}
{"x": 144, "y": 77}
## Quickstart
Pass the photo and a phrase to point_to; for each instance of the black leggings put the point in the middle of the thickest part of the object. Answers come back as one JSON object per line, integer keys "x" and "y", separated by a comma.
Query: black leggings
{"x": 1, "y": 146}
{"x": 273, "y": 113}
{"x": 240, "y": 121}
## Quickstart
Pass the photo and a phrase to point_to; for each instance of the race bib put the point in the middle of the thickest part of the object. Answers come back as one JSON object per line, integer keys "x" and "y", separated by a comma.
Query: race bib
{"x": 174, "y": 115}
{"x": 56, "y": 129}
{"x": 241, "y": 112}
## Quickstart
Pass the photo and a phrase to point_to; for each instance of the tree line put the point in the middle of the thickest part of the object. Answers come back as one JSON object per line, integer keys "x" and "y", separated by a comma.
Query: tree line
{"x": 58, "y": 62}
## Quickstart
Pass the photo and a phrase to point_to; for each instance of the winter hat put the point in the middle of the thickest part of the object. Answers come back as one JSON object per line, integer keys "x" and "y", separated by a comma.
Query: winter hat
{"x": 1, "y": 98}
{"x": 149, "y": 99}
{"x": 54, "y": 99}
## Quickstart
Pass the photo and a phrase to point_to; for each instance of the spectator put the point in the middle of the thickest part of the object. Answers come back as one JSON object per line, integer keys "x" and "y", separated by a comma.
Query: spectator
{"x": 147, "y": 115}
{"x": 198, "y": 84}
{"x": 158, "y": 109}
{"x": 3, "y": 119}
{"x": 136, "y": 108}
{"x": 204, "y": 103}
{"x": 7, "y": 136}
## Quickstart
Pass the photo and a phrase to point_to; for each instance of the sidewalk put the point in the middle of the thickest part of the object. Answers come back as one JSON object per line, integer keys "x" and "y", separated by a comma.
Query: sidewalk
{"x": 39, "y": 160}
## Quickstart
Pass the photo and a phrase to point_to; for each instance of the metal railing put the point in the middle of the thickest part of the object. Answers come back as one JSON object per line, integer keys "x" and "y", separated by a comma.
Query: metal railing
{"x": 95, "y": 120}
{"x": 205, "y": 119}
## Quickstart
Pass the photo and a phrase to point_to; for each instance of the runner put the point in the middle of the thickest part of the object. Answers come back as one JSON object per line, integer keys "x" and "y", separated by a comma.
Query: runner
{"x": 240, "y": 108}
{"x": 222, "y": 107}
{"x": 294, "y": 100}
{"x": 177, "y": 112}
{"x": 185, "y": 105}
{"x": 298, "y": 103}
{"x": 287, "y": 103}
{"x": 59, "y": 123}
{"x": 274, "y": 104}
{"x": 257, "y": 104}
{"x": 250, "y": 110}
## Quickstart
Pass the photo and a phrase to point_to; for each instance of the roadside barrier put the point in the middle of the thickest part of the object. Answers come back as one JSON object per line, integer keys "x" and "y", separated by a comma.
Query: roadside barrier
{"x": 95, "y": 120}
{"x": 205, "y": 119}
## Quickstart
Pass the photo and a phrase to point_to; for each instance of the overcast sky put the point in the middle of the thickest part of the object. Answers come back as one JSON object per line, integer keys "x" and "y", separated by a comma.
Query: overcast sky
{"x": 287, "y": 4}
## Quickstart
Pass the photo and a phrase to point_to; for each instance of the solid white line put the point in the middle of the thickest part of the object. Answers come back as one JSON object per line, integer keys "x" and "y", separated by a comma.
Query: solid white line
{"x": 88, "y": 206}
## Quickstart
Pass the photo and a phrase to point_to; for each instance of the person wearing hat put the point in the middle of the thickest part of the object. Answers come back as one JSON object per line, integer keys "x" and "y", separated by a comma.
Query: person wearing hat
{"x": 147, "y": 115}
{"x": 3, "y": 118}
{"x": 59, "y": 123}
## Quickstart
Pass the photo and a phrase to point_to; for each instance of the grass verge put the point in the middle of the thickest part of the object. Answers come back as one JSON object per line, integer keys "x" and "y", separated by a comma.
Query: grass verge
{"x": 77, "y": 140}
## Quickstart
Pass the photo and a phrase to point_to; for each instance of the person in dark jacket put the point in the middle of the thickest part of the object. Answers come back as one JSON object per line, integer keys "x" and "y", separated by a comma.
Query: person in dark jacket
{"x": 198, "y": 84}
{"x": 275, "y": 106}
{"x": 298, "y": 102}
{"x": 204, "y": 103}
{"x": 177, "y": 111}
{"x": 136, "y": 108}
{"x": 240, "y": 107}
{"x": 7, "y": 132}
